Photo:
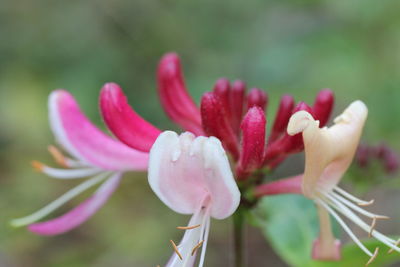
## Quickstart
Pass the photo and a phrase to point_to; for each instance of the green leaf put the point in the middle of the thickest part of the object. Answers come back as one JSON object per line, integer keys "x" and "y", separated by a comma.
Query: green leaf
{"x": 290, "y": 224}
{"x": 353, "y": 256}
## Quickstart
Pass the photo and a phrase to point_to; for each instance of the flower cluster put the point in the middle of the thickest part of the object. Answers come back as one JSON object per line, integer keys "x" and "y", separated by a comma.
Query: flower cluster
{"x": 191, "y": 173}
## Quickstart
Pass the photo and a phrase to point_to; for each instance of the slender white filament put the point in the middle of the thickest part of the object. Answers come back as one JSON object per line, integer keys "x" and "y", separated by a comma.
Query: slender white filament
{"x": 70, "y": 173}
{"x": 345, "y": 227}
{"x": 350, "y": 196}
{"x": 59, "y": 201}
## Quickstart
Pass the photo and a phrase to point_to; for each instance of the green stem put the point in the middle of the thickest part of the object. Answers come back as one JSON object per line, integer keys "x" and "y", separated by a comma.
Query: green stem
{"x": 238, "y": 224}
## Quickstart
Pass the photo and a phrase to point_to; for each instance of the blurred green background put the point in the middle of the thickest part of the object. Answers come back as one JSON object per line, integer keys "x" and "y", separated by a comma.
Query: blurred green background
{"x": 281, "y": 46}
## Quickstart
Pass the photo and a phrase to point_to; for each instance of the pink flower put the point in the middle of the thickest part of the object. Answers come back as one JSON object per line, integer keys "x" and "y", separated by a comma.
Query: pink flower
{"x": 329, "y": 153}
{"x": 192, "y": 176}
{"x": 93, "y": 154}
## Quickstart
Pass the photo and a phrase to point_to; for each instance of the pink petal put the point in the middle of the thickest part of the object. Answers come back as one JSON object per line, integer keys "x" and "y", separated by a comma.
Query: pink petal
{"x": 174, "y": 96}
{"x": 83, "y": 140}
{"x": 123, "y": 121}
{"x": 184, "y": 170}
{"x": 79, "y": 214}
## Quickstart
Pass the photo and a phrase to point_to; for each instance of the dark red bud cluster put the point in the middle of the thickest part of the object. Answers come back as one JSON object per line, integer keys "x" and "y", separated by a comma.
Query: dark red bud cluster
{"x": 238, "y": 120}
{"x": 389, "y": 159}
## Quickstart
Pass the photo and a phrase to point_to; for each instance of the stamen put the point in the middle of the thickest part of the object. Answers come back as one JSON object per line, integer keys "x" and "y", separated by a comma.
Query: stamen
{"x": 188, "y": 227}
{"x": 349, "y": 196}
{"x": 395, "y": 244}
{"x": 197, "y": 247}
{"x": 176, "y": 249}
{"x": 335, "y": 197}
{"x": 38, "y": 166}
{"x": 364, "y": 204}
{"x": 373, "y": 224}
{"x": 59, "y": 201}
{"x": 350, "y": 215}
{"x": 67, "y": 173}
{"x": 345, "y": 227}
{"x": 373, "y": 256}
{"x": 58, "y": 156}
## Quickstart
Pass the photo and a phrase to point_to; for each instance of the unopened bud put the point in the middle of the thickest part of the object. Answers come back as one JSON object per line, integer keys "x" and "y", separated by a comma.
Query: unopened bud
{"x": 257, "y": 97}
{"x": 237, "y": 102}
{"x": 282, "y": 117}
{"x": 323, "y": 106}
{"x": 215, "y": 123}
{"x": 253, "y": 141}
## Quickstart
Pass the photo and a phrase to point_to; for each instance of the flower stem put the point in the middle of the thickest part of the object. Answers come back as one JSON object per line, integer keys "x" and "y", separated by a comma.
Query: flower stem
{"x": 238, "y": 227}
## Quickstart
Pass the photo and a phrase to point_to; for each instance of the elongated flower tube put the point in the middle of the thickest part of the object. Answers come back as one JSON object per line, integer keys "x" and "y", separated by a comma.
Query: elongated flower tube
{"x": 93, "y": 154}
{"x": 329, "y": 153}
{"x": 174, "y": 96}
{"x": 192, "y": 176}
{"x": 123, "y": 121}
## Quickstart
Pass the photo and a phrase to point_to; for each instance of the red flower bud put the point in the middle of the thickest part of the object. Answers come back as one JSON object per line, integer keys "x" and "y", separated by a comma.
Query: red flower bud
{"x": 282, "y": 117}
{"x": 253, "y": 141}
{"x": 222, "y": 90}
{"x": 237, "y": 102}
{"x": 175, "y": 99}
{"x": 257, "y": 97}
{"x": 323, "y": 106}
{"x": 215, "y": 123}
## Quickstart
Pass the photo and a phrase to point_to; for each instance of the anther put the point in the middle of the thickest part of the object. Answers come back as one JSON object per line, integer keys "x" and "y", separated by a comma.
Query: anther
{"x": 37, "y": 165}
{"x": 372, "y": 227}
{"x": 367, "y": 203}
{"x": 188, "y": 227}
{"x": 176, "y": 249}
{"x": 197, "y": 247}
{"x": 373, "y": 256}
{"x": 57, "y": 155}
{"x": 395, "y": 244}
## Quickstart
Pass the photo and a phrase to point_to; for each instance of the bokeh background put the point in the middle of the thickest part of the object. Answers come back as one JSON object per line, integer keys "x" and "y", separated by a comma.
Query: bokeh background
{"x": 281, "y": 46}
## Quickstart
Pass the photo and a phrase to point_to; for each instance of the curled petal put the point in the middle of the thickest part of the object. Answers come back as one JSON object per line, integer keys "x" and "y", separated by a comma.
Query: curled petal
{"x": 184, "y": 170}
{"x": 276, "y": 151}
{"x": 123, "y": 121}
{"x": 175, "y": 99}
{"x": 328, "y": 151}
{"x": 81, "y": 213}
{"x": 85, "y": 141}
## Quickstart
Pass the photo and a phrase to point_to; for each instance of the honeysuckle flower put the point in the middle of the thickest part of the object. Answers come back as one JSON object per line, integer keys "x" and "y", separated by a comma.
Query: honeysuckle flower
{"x": 222, "y": 114}
{"x": 192, "y": 176}
{"x": 93, "y": 154}
{"x": 329, "y": 153}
